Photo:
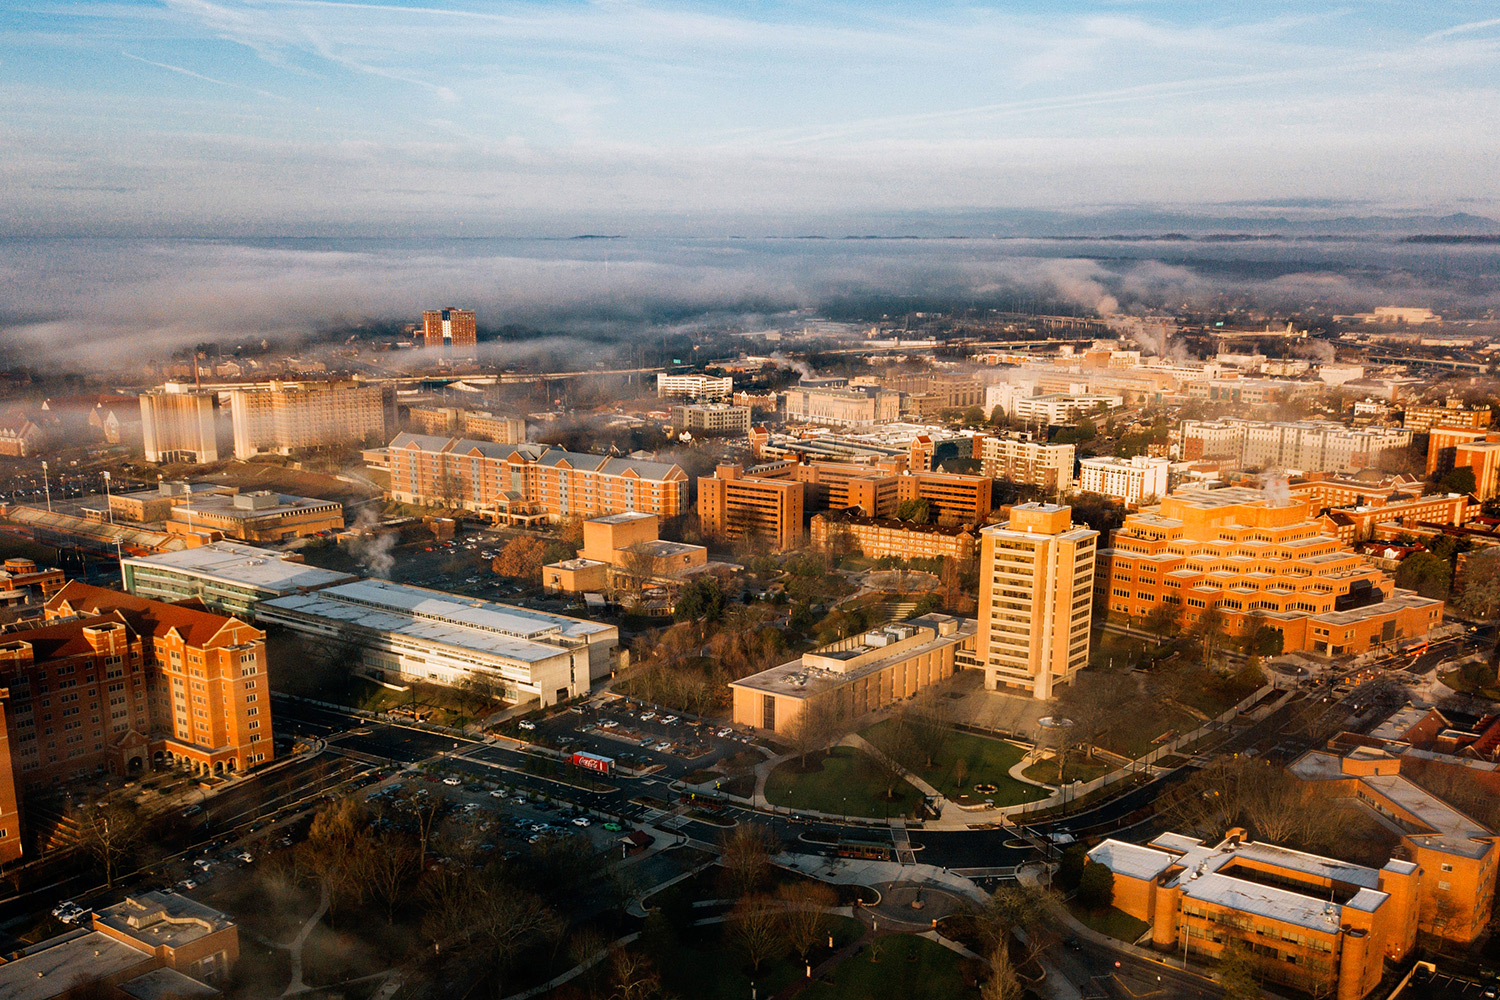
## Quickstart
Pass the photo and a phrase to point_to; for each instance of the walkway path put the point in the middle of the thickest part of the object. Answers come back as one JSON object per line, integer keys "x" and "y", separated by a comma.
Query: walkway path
{"x": 295, "y": 948}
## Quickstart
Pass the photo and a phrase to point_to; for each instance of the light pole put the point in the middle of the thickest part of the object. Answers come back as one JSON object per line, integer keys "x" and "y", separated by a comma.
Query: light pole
{"x": 46, "y": 487}
{"x": 108, "y": 499}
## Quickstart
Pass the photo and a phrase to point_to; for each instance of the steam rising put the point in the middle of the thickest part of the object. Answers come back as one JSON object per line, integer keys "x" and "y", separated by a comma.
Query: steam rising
{"x": 372, "y": 547}
{"x": 1278, "y": 493}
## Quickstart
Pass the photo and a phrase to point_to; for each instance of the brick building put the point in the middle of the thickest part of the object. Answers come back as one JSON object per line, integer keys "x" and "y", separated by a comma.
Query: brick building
{"x": 285, "y": 418}
{"x": 449, "y": 327}
{"x": 732, "y": 504}
{"x": 1261, "y": 560}
{"x": 517, "y": 482}
{"x": 1036, "y": 463}
{"x": 881, "y": 537}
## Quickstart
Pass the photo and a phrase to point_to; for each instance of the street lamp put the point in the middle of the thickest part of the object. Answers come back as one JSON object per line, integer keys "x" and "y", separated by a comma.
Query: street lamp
{"x": 108, "y": 498}
{"x": 46, "y": 487}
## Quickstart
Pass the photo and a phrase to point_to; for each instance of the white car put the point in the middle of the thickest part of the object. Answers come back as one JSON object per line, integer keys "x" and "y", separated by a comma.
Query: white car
{"x": 71, "y": 915}
{"x": 668, "y": 719}
{"x": 582, "y": 821}
{"x": 187, "y": 883}
{"x": 452, "y": 782}
{"x": 526, "y": 724}
{"x": 62, "y": 908}
{"x": 647, "y": 716}
{"x": 497, "y": 794}
{"x": 245, "y": 856}
{"x": 609, "y": 724}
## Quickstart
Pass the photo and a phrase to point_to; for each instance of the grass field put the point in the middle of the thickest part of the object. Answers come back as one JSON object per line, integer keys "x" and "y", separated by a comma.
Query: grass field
{"x": 1077, "y": 768}
{"x": 710, "y": 967}
{"x": 988, "y": 762}
{"x": 1116, "y": 923}
{"x": 848, "y": 784}
{"x": 903, "y": 967}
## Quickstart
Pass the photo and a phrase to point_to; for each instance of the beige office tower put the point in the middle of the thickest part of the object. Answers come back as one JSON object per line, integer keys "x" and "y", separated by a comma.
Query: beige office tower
{"x": 179, "y": 424}
{"x": 1036, "y": 591}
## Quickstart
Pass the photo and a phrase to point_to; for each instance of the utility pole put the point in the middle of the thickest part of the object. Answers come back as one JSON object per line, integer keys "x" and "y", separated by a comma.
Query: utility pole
{"x": 46, "y": 486}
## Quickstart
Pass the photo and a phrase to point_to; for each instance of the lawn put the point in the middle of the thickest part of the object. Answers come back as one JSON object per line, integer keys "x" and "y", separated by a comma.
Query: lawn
{"x": 1114, "y": 922}
{"x": 1473, "y": 678}
{"x": 988, "y": 762}
{"x": 707, "y": 966}
{"x": 1077, "y": 768}
{"x": 847, "y": 783}
{"x": 901, "y": 967}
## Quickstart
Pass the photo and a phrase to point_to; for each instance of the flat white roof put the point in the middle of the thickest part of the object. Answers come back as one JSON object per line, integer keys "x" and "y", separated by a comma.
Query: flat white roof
{"x": 244, "y": 565}
{"x": 498, "y": 630}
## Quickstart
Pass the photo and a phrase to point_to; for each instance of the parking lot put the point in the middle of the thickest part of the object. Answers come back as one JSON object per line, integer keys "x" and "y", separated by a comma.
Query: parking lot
{"x": 641, "y": 738}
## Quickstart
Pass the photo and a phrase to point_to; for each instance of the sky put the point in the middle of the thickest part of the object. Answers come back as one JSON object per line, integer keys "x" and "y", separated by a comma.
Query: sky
{"x": 295, "y": 117}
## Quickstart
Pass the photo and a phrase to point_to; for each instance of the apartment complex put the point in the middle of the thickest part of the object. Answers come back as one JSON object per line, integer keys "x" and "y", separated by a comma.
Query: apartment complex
{"x": 854, "y": 676}
{"x": 1443, "y": 444}
{"x": 1063, "y": 407}
{"x": 1319, "y": 925}
{"x": 1036, "y": 579}
{"x": 149, "y": 946}
{"x": 732, "y": 504}
{"x": 885, "y": 537}
{"x": 517, "y": 482}
{"x": 229, "y": 578}
{"x": 1452, "y": 414}
{"x": 1456, "y": 855}
{"x": 951, "y": 498}
{"x": 861, "y": 406}
{"x": 711, "y": 418}
{"x": 1483, "y": 457}
{"x": 1261, "y": 560}
{"x": 706, "y": 387}
{"x": 1307, "y": 446}
{"x": 1132, "y": 480}
{"x": 1022, "y": 460}
{"x": 401, "y": 633}
{"x": 180, "y": 424}
{"x": 455, "y": 420}
{"x": 285, "y": 418}
{"x": 624, "y": 551}
{"x": 210, "y": 700}
{"x": 1357, "y": 524}
{"x": 449, "y": 327}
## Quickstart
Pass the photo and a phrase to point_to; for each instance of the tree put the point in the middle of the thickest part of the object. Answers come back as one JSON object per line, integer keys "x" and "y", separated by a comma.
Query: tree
{"x": 632, "y": 976}
{"x": 745, "y": 856}
{"x": 1096, "y": 886}
{"x": 637, "y": 568}
{"x": 1425, "y": 573}
{"x": 756, "y": 926}
{"x": 1070, "y": 868}
{"x": 917, "y": 511}
{"x": 1479, "y": 585}
{"x": 701, "y": 600}
{"x": 1093, "y": 704}
{"x": 805, "y": 913}
{"x": 1237, "y": 975}
{"x": 389, "y": 864}
{"x": 505, "y": 921}
{"x": 1002, "y": 982}
{"x": 820, "y": 723}
{"x": 109, "y": 833}
{"x": 1460, "y": 480}
{"x": 1209, "y": 630}
{"x": 522, "y": 558}
{"x": 425, "y": 808}
{"x": 894, "y": 750}
{"x": 1163, "y": 620}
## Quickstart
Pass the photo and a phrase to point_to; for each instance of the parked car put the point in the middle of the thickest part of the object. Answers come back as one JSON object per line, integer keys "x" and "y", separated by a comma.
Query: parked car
{"x": 526, "y": 724}
{"x": 452, "y": 782}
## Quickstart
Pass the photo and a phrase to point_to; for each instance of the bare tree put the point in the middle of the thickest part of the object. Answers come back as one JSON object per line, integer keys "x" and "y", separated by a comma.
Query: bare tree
{"x": 109, "y": 833}
{"x": 745, "y": 856}
{"x": 819, "y": 724}
{"x": 1094, "y": 702}
{"x": 632, "y": 976}
{"x": 1002, "y": 982}
{"x": 756, "y": 926}
{"x": 895, "y": 752}
{"x": 637, "y": 568}
{"x": 805, "y": 913}
{"x": 505, "y": 920}
{"x": 426, "y": 808}
{"x": 389, "y": 864}
{"x": 1210, "y": 632}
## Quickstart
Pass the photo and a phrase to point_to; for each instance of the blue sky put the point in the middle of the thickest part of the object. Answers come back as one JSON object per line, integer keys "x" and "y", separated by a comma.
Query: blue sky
{"x": 305, "y": 115}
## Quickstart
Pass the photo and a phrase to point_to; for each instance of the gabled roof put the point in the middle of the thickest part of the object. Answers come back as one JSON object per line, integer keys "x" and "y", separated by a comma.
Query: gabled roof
{"x": 64, "y": 639}
{"x": 155, "y": 618}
